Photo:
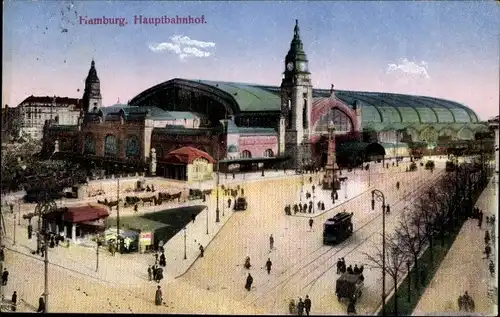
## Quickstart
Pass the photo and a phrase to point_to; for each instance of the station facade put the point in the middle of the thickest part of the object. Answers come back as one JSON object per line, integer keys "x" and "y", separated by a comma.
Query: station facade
{"x": 245, "y": 124}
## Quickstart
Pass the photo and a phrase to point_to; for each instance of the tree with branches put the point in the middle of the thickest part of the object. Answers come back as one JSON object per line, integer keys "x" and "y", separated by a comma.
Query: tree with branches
{"x": 394, "y": 265}
{"x": 411, "y": 236}
{"x": 428, "y": 210}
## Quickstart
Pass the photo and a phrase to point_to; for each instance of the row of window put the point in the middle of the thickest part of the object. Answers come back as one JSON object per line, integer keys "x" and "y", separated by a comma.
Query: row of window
{"x": 112, "y": 145}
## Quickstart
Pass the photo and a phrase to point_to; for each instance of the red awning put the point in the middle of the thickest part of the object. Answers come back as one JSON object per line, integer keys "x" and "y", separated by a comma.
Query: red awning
{"x": 84, "y": 214}
{"x": 186, "y": 155}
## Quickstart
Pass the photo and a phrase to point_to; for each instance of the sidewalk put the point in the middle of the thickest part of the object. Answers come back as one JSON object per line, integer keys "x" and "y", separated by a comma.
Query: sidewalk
{"x": 464, "y": 268}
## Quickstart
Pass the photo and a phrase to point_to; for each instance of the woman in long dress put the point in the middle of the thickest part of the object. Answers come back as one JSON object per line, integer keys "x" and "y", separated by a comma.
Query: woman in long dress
{"x": 158, "y": 296}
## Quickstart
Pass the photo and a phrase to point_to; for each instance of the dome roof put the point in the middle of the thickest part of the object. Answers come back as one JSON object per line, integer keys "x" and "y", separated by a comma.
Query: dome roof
{"x": 232, "y": 149}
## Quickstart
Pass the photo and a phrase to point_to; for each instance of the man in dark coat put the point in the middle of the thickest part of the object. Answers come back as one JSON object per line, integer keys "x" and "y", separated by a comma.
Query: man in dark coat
{"x": 2, "y": 254}
{"x": 349, "y": 270}
{"x": 307, "y": 305}
{"x": 5, "y": 277}
{"x": 158, "y": 296}
{"x": 322, "y": 206}
{"x": 343, "y": 267}
{"x": 310, "y": 206}
{"x": 193, "y": 217}
{"x": 229, "y": 203}
{"x": 248, "y": 284}
{"x": 150, "y": 273}
{"x": 271, "y": 242}
{"x": 202, "y": 250}
{"x": 304, "y": 208}
{"x": 163, "y": 261}
{"x": 268, "y": 265}
{"x": 300, "y": 207}
{"x": 30, "y": 231}
{"x": 300, "y": 307}
{"x": 14, "y": 301}
{"x": 41, "y": 305}
{"x": 339, "y": 266}
{"x": 388, "y": 209}
{"x": 487, "y": 251}
{"x": 356, "y": 269}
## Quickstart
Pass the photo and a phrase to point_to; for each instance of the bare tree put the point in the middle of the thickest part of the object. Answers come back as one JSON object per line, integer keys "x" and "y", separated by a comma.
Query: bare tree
{"x": 394, "y": 264}
{"x": 428, "y": 211}
{"x": 411, "y": 236}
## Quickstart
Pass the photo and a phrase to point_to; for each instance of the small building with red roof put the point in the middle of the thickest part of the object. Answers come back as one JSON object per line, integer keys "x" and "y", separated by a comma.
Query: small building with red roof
{"x": 187, "y": 164}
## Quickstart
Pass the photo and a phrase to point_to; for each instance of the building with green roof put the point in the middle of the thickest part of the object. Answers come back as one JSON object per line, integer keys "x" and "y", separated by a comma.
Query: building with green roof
{"x": 252, "y": 122}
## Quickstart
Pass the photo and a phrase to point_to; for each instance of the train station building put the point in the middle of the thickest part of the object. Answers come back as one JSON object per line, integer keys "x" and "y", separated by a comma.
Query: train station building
{"x": 247, "y": 125}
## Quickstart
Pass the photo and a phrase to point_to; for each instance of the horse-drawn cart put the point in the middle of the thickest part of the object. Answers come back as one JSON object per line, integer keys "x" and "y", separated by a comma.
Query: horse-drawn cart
{"x": 349, "y": 286}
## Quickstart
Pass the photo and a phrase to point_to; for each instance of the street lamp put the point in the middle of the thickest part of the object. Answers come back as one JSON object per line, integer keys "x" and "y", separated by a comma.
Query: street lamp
{"x": 118, "y": 204}
{"x": 44, "y": 207}
{"x": 378, "y": 195}
{"x": 217, "y": 211}
{"x": 185, "y": 257}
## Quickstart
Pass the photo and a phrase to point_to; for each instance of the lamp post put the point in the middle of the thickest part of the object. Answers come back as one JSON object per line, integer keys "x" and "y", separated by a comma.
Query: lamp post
{"x": 345, "y": 189}
{"x": 98, "y": 244}
{"x": 15, "y": 226}
{"x": 185, "y": 257}
{"x": 19, "y": 213}
{"x": 222, "y": 129}
{"x": 43, "y": 208}
{"x": 378, "y": 195}
{"x": 118, "y": 205}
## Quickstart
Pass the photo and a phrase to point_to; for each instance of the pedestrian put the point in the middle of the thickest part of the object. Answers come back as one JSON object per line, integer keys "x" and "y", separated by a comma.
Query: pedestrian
{"x": 5, "y": 277}
{"x": 397, "y": 185}
{"x": 339, "y": 266}
{"x": 350, "y": 270}
{"x": 322, "y": 205}
{"x": 154, "y": 270}
{"x": 268, "y": 265}
{"x": 479, "y": 221}
{"x": 229, "y": 203}
{"x": 13, "y": 300}
{"x": 388, "y": 209}
{"x": 311, "y": 221}
{"x": 356, "y": 269}
{"x": 300, "y": 307}
{"x": 307, "y": 305}
{"x": 158, "y": 296}
{"x": 193, "y": 217}
{"x": 310, "y": 206}
{"x": 156, "y": 257}
{"x": 248, "y": 284}
{"x": 487, "y": 237}
{"x": 271, "y": 242}
{"x": 487, "y": 251}
{"x": 201, "y": 251}
{"x": 351, "y": 308}
{"x": 300, "y": 208}
{"x": 2, "y": 254}
{"x": 150, "y": 273}
{"x": 163, "y": 260}
{"x": 41, "y": 305}
{"x": 343, "y": 267}
{"x": 492, "y": 268}
{"x": 304, "y": 208}
{"x": 30, "y": 231}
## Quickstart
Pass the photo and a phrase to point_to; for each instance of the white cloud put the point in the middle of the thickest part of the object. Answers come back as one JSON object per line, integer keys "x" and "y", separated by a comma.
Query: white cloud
{"x": 409, "y": 67}
{"x": 184, "y": 47}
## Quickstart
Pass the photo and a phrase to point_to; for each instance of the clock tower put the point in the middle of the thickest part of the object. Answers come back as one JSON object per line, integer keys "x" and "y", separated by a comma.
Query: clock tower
{"x": 296, "y": 104}
{"x": 92, "y": 99}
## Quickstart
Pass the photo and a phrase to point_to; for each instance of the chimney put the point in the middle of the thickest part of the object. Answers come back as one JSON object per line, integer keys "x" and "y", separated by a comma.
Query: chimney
{"x": 332, "y": 91}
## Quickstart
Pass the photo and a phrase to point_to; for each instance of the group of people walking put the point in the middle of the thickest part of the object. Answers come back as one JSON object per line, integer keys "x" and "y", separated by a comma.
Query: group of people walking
{"x": 300, "y": 307}
{"x": 341, "y": 268}
{"x": 155, "y": 272}
{"x": 303, "y": 208}
{"x": 247, "y": 265}
{"x": 466, "y": 303}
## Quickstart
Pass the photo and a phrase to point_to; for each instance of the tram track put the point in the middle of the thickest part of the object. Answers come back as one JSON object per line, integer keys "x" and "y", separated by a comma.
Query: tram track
{"x": 326, "y": 255}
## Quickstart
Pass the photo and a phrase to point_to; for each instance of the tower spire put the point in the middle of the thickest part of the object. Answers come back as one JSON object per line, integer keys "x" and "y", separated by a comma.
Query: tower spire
{"x": 296, "y": 29}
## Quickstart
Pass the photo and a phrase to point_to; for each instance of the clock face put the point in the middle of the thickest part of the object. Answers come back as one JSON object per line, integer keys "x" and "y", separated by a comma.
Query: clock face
{"x": 302, "y": 66}
{"x": 289, "y": 66}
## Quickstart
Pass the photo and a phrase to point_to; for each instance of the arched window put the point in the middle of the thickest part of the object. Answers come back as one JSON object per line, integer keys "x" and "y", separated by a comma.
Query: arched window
{"x": 89, "y": 144}
{"x": 341, "y": 121}
{"x": 268, "y": 153}
{"x": 111, "y": 145}
{"x": 133, "y": 147}
{"x": 246, "y": 154}
{"x": 465, "y": 134}
{"x": 289, "y": 114}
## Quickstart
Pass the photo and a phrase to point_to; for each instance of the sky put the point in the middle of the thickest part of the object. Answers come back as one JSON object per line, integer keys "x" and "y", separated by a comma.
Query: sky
{"x": 447, "y": 49}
